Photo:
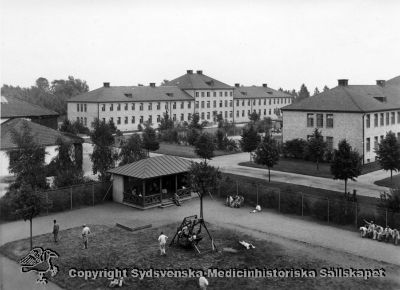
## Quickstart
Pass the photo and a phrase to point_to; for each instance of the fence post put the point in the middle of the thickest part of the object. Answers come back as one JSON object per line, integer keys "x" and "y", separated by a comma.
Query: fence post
{"x": 279, "y": 201}
{"x": 47, "y": 203}
{"x": 386, "y": 216}
{"x": 71, "y": 196}
{"x": 302, "y": 206}
{"x": 355, "y": 203}
{"x": 237, "y": 188}
{"x": 328, "y": 210}
{"x": 257, "y": 194}
{"x": 93, "y": 193}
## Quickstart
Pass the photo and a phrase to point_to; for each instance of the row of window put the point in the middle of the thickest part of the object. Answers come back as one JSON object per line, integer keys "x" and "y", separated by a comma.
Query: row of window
{"x": 382, "y": 119}
{"x": 319, "y": 120}
{"x": 82, "y": 120}
{"x": 150, "y": 119}
{"x": 208, "y": 94}
{"x": 377, "y": 140}
{"x": 81, "y": 107}
{"x": 141, "y": 106}
{"x": 270, "y": 101}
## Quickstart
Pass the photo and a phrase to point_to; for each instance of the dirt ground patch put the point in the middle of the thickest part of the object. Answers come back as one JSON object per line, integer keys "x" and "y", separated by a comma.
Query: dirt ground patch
{"x": 112, "y": 247}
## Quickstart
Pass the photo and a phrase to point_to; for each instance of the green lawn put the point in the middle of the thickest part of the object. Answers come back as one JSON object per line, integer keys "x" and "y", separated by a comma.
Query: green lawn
{"x": 183, "y": 151}
{"x": 112, "y": 247}
{"x": 389, "y": 183}
{"x": 308, "y": 168}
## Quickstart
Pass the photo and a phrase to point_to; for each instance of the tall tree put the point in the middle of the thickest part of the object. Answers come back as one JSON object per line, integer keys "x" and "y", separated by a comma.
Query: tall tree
{"x": 150, "y": 142}
{"x": 250, "y": 140}
{"x": 65, "y": 165}
{"x": 254, "y": 117}
{"x": 194, "y": 123}
{"x": 388, "y": 153}
{"x": 204, "y": 147}
{"x": 267, "y": 153}
{"x": 53, "y": 97}
{"x": 326, "y": 88}
{"x": 74, "y": 127}
{"x": 316, "y": 91}
{"x": 346, "y": 163}
{"x": 27, "y": 162}
{"x": 103, "y": 156}
{"x": 27, "y": 204}
{"x": 203, "y": 178}
{"x": 303, "y": 93}
{"x": 43, "y": 84}
{"x": 166, "y": 123}
{"x": 69, "y": 88}
{"x": 264, "y": 125}
{"x": 316, "y": 147}
{"x": 131, "y": 150}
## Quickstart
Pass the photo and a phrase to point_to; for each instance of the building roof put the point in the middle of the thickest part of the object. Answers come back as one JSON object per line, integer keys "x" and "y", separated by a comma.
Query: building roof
{"x": 13, "y": 107}
{"x": 43, "y": 135}
{"x": 153, "y": 167}
{"x": 132, "y": 94}
{"x": 394, "y": 81}
{"x": 197, "y": 81}
{"x": 352, "y": 98}
{"x": 254, "y": 92}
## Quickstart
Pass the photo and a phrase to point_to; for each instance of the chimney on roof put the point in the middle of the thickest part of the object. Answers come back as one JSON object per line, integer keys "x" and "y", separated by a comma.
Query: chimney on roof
{"x": 106, "y": 85}
{"x": 199, "y": 72}
{"x": 153, "y": 85}
{"x": 380, "y": 83}
{"x": 189, "y": 71}
{"x": 265, "y": 85}
{"x": 343, "y": 82}
{"x": 237, "y": 85}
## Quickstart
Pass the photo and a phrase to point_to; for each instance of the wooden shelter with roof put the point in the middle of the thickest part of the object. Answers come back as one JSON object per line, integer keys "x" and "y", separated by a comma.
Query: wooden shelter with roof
{"x": 151, "y": 182}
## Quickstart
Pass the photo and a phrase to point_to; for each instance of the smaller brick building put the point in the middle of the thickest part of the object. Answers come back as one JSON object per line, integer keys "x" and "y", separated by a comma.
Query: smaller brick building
{"x": 361, "y": 114}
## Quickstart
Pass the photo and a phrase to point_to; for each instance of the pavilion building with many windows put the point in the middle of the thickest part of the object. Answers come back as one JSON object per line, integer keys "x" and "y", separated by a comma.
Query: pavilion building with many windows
{"x": 361, "y": 114}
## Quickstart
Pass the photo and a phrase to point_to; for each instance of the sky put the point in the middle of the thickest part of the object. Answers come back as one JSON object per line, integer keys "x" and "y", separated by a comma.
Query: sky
{"x": 283, "y": 43}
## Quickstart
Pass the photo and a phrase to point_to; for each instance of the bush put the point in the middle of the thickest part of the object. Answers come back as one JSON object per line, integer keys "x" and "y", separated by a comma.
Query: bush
{"x": 7, "y": 213}
{"x": 342, "y": 212}
{"x": 295, "y": 148}
{"x": 192, "y": 136}
{"x": 319, "y": 209}
{"x": 291, "y": 202}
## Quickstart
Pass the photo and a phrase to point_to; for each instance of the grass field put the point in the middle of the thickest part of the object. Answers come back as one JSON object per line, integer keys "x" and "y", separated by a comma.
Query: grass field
{"x": 294, "y": 188}
{"x": 389, "y": 183}
{"x": 183, "y": 151}
{"x": 112, "y": 247}
{"x": 308, "y": 167}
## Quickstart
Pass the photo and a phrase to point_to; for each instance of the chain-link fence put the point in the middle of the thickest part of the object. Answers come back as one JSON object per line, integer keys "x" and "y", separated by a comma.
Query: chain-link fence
{"x": 66, "y": 198}
{"x": 331, "y": 210}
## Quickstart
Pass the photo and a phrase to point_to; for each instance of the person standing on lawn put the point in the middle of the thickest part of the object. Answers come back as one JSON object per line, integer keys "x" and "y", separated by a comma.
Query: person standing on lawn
{"x": 56, "y": 229}
{"x": 85, "y": 236}
{"x": 162, "y": 239}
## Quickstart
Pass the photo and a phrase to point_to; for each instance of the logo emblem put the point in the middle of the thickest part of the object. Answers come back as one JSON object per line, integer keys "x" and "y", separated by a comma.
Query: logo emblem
{"x": 39, "y": 260}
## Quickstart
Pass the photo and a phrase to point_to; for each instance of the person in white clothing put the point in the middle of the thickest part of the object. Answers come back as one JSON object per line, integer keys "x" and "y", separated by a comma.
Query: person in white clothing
{"x": 203, "y": 283}
{"x": 162, "y": 239}
{"x": 85, "y": 236}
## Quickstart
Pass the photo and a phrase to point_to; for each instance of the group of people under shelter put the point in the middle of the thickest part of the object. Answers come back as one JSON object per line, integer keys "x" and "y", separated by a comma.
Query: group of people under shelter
{"x": 377, "y": 232}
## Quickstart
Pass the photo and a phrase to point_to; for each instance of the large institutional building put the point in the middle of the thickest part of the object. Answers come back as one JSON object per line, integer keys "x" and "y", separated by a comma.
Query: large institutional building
{"x": 191, "y": 93}
{"x": 361, "y": 114}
